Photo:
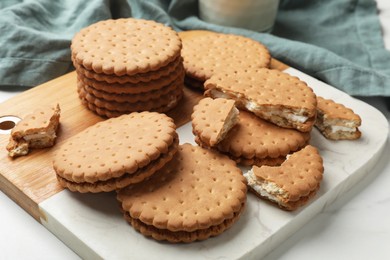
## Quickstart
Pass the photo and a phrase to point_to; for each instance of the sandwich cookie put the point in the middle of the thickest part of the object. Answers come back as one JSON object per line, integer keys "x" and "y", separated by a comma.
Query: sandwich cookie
{"x": 110, "y": 109}
{"x": 116, "y": 152}
{"x": 126, "y": 46}
{"x": 131, "y": 79}
{"x": 198, "y": 194}
{"x": 273, "y": 95}
{"x": 129, "y": 89}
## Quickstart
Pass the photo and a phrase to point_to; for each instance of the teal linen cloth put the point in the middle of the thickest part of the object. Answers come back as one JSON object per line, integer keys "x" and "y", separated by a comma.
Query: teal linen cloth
{"x": 336, "y": 41}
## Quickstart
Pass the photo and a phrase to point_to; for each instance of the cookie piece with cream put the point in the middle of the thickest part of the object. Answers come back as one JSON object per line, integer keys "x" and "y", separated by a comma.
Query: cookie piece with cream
{"x": 36, "y": 130}
{"x": 292, "y": 184}
{"x": 337, "y": 122}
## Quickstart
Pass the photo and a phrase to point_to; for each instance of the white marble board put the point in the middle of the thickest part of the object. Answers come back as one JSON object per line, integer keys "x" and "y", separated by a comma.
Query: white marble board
{"x": 92, "y": 225}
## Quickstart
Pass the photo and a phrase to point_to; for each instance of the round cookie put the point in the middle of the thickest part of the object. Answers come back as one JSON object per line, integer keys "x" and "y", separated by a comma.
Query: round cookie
{"x": 161, "y": 103}
{"x": 256, "y": 141}
{"x": 125, "y": 46}
{"x": 136, "y": 97}
{"x": 116, "y": 152}
{"x": 135, "y": 88}
{"x": 136, "y": 78}
{"x": 210, "y": 53}
{"x": 114, "y": 113}
{"x": 198, "y": 194}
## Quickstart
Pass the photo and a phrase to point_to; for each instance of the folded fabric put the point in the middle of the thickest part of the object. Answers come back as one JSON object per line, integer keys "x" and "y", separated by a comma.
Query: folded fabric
{"x": 35, "y": 36}
{"x": 336, "y": 41}
{"x": 349, "y": 29}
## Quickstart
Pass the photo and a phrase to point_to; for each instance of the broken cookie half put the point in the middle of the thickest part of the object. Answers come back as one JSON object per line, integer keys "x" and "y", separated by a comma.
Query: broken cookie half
{"x": 36, "y": 130}
{"x": 292, "y": 184}
{"x": 212, "y": 119}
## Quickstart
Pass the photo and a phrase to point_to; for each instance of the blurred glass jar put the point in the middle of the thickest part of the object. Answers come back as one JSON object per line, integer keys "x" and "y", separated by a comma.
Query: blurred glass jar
{"x": 256, "y": 15}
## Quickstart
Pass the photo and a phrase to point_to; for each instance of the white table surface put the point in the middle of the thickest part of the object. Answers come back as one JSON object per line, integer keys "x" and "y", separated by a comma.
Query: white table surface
{"x": 356, "y": 226}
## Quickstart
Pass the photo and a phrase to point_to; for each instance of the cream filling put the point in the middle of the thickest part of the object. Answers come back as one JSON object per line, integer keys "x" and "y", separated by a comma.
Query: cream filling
{"x": 231, "y": 120}
{"x": 251, "y": 106}
{"x": 19, "y": 149}
{"x": 350, "y": 124}
{"x": 266, "y": 189}
{"x": 219, "y": 94}
{"x": 41, "y": 135}
{"x": 337, "y": 128}
{"x": 290, "y": 116}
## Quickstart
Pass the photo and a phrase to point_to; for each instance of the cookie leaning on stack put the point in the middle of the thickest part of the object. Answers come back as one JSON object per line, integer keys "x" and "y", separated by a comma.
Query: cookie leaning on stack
{"x": 211, "y": 53}
{"x": 116, "y": 59}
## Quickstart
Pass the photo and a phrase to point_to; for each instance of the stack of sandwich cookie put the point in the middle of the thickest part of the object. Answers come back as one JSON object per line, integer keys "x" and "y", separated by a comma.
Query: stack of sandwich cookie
{"x": 198, "y": 194}
{"x": 116, "y": 152}
{"x": 212, "y": 53}
{"x": 118, "y": 61}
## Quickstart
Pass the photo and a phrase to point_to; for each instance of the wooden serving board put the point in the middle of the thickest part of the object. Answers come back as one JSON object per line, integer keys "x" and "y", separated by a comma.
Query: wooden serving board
{"x": 30, "y": 180}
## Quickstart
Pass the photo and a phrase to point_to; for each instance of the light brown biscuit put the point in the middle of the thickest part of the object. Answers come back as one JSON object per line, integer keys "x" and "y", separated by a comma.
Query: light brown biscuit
{"x": 256, "y": 140}
{"x": 273, "y": 95}
{"x": 198, "y": 194}
{"x": 211, "y": 53}
{"x": 129, "y": 98}
{"x": 249, "y": 162}
{"x": 259, "y": 161}
{"x": 293, "y": 183}
{"x": 36, "y": 130}
{"x": 124, "y": 180}
{"x": 134, "y": 88}
{"x": 127, "y": 107}
{"x": 167, "y": 100}
{"x": 337, "y": 122}
{"x": 114, "y": 113}
{"x": 137, "y": 78}
{"x": 126, "y": 46}
{"x": 212, "y": 119}
{"x": 182, "y": 236}
{"x": 116, "y": 152}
